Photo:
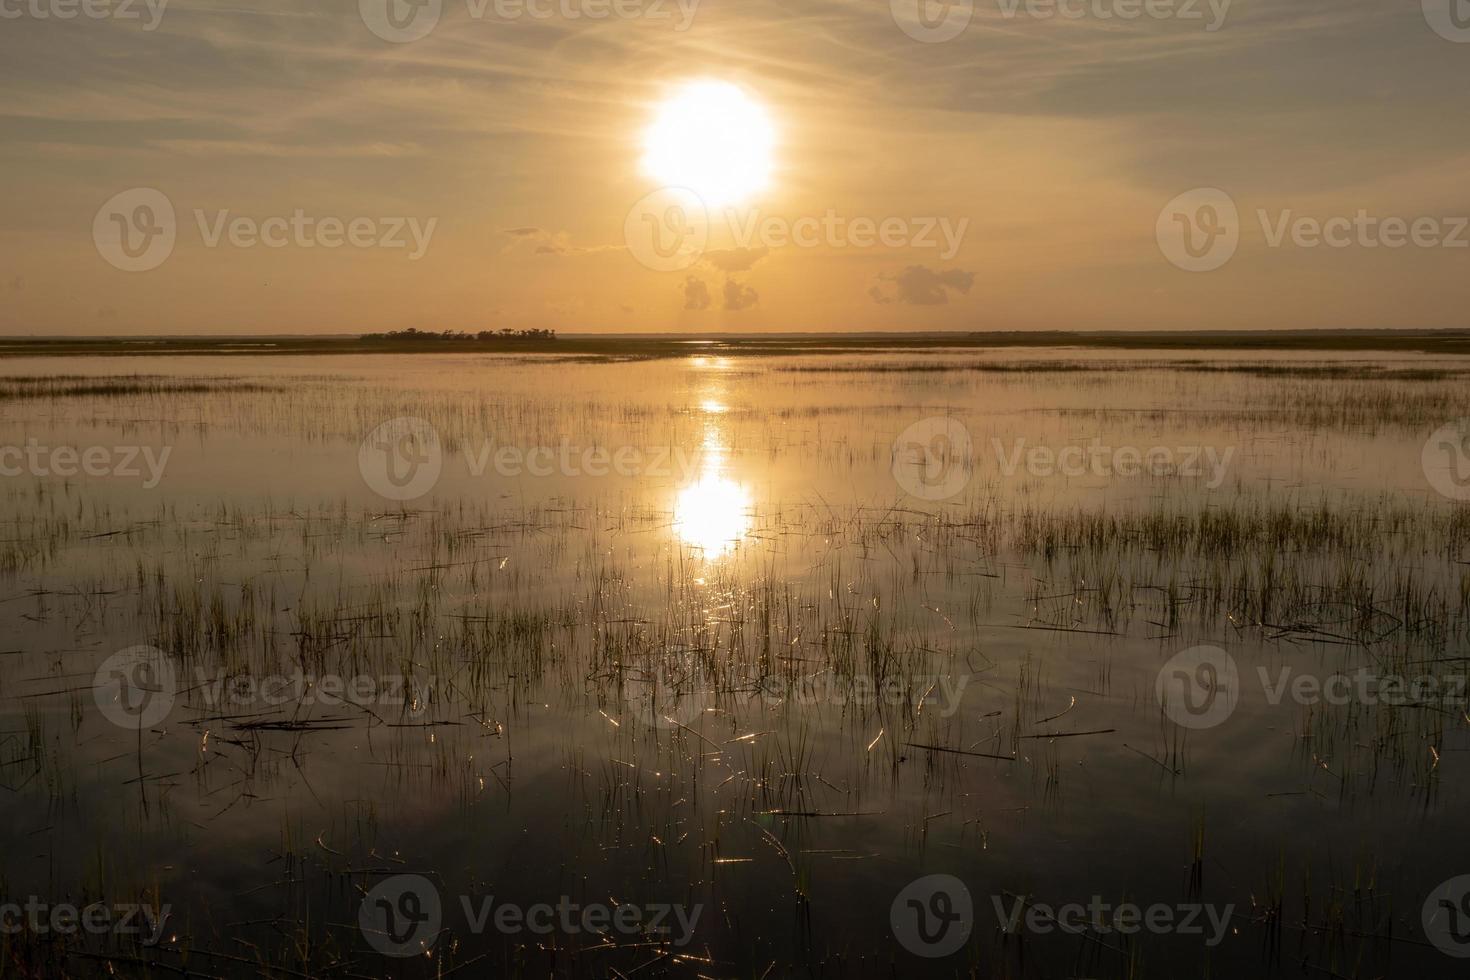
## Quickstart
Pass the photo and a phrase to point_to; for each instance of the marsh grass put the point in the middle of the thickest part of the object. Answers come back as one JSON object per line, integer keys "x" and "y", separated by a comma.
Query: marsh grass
{"x": 566, "y": 632}
{"x": 28, "y": 388}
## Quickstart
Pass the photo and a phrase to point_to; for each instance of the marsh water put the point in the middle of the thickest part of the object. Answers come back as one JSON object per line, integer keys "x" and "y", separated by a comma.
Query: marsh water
{"x": 321, "y": 657}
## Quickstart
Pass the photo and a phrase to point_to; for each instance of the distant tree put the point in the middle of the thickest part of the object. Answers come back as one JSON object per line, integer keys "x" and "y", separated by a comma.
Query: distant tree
{"x": 417, "y": 337}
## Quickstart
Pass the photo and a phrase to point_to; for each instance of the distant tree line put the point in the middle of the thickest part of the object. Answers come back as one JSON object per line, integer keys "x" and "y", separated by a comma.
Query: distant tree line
{"x": 415, "y": 336}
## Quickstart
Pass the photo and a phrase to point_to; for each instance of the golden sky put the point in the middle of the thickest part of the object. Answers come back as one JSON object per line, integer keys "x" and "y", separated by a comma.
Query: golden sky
{"x": 1049, "y": 147}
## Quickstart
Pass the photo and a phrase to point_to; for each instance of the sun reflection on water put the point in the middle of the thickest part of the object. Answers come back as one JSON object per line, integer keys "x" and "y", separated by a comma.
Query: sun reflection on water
{"x": 712, "y": 514}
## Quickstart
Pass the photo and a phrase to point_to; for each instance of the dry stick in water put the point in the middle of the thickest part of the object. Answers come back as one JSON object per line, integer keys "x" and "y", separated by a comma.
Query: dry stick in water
{"x": 1100, "y": 731}
{"x": 941, "y": 748}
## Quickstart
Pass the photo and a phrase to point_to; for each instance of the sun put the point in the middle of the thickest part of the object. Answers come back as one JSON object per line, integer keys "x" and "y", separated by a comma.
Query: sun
{"x": 714, "y": 139}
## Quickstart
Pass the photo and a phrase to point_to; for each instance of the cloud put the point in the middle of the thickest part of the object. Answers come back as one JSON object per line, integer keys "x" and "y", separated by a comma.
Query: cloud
{"x": 920, "y": 285}
{"x": 555, "y": 242}
{"x": 1100, "y": 120}
{"x": 729, "y": 260}
{"x": 739, "y": 296}
{"x": 566, "y": 306}
{"x": 696, "y": 294}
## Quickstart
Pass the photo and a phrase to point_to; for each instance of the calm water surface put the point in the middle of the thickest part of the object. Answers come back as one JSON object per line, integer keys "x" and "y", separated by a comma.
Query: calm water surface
{"x": 766, "y": 639}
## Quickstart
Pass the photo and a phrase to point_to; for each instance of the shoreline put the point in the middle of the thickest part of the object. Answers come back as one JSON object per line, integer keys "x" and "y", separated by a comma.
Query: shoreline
{"x": 673, "y": 345}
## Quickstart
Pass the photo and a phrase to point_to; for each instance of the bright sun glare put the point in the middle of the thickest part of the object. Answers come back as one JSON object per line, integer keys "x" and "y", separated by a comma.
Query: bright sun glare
{"x": 712, "y": 138}
{"x": 712, "y": 515}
